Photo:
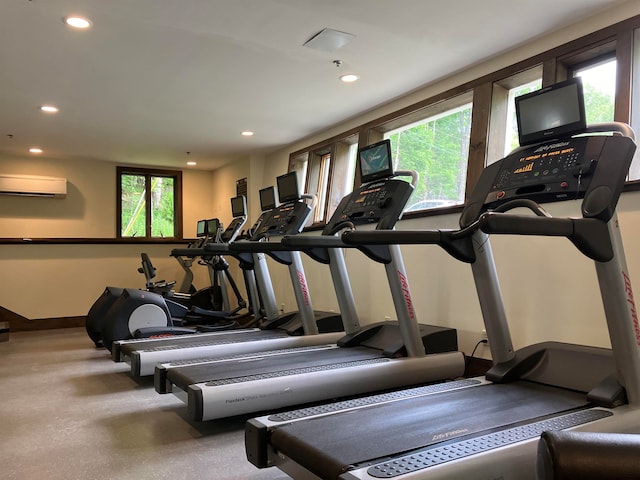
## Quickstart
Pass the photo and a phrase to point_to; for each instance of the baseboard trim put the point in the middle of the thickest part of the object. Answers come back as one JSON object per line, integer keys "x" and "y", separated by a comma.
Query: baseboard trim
{"x": 18, "y": 323}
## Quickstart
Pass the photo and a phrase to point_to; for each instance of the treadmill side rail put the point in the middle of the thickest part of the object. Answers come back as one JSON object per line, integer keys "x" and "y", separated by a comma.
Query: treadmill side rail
{"x": 216, "y": 400}
{"x": 517, "y": 459}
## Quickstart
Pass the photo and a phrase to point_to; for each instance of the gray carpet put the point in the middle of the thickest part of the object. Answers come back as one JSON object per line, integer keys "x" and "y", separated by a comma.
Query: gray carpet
{"x": 68, "y": 412}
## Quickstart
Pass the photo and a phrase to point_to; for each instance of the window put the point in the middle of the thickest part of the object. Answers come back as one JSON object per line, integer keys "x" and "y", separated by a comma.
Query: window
{"x": 149, "y": 203}
{"x": 317, "y": 181}
{"x": 511, "y": 139}
{"x": 599, "y": 81}
{"x": 344, "y": 170}
{"x": 437, "y": 147}
{"x": 503, "y": 128}
{"x": 327, "y": 172}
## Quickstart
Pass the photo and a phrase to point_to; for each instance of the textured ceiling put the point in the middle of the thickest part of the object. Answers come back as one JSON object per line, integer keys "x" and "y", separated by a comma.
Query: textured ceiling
{"x": 153, "y": 79}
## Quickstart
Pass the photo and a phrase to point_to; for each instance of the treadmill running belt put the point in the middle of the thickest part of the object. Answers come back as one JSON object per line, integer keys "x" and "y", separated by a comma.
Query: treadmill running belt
{"x": 189, "y": 341}
{"x": 373, "y": 433}
{"x": 184, "y": 376}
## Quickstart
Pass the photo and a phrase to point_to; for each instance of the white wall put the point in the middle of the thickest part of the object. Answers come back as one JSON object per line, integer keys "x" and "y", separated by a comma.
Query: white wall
{"x": 48, "y": 281}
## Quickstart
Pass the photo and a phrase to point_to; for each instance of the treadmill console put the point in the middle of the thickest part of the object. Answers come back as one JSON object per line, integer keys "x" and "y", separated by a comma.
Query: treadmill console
{"x": 239, "y": 213}
{"x": 547, "y": 172}
{"x": 285, "y": 219}
{"x": 232, "y": 231}
{"x": 380, "y": 202}
{"x": 553, "y": 164}
{"x": 589, "y": 167}
{"x": 267, "y": 204}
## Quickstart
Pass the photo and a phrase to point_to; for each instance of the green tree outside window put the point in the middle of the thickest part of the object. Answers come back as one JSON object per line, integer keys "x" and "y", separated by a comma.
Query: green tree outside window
{"x": 148, "y": 206}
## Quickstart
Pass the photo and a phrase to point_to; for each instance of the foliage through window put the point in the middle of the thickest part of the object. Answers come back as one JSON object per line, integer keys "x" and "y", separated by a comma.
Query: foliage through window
{"x": 148, "y": 203}
{"x": 599, "y": 83}
{"x": 437, "y": 148}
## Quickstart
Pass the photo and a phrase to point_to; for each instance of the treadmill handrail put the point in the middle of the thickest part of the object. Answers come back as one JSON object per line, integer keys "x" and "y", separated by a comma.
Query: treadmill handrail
{"x": 415, "y": 176}
{"x": 216, "y": 248}
{"x": 312, "y": 241}
{"x": 457, "y": 243}
{"x": 400, "y": 237}
{"x": 313, "y": 200}
{"x": 589, "y": 235}
{"x": 191, "y": 252}
{"x": 312, "y": 244}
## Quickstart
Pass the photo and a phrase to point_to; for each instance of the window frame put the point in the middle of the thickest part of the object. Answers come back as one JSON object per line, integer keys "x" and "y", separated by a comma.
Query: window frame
{"x": 149, "y": 173}
{"x": 315, "y": 159}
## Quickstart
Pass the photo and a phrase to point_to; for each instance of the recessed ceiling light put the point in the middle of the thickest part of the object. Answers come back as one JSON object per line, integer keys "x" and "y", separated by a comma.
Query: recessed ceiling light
{"x": 191, "y": 163}
{"x": 349, "y": 78}
{"x": 49, "y": 109}
{"x": 35, "y": 150}
{"x": 76, "y": 21}
{"x": 246, "y": 133}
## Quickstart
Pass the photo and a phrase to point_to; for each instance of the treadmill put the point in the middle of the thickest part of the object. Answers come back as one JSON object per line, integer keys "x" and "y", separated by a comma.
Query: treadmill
{"x": 294, "y": 329}
{"x": 541, "y": 387}
{"x": 378, "y": 356}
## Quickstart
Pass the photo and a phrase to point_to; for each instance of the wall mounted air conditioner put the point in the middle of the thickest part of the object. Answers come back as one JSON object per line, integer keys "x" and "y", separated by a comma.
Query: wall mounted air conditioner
{"x": 33, "y": 186}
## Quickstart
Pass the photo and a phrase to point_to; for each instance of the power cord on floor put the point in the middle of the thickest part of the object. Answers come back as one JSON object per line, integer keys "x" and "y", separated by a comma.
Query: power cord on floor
{"x": 468, "y": 359}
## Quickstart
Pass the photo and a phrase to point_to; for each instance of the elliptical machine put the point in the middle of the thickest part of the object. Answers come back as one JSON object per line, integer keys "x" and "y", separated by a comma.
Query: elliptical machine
{"x": 145, "y": 314}
{"x": 95, "y": 319}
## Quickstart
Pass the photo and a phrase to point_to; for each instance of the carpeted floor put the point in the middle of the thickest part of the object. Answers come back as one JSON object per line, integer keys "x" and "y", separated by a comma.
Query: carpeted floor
{"x": 68, "y": 412}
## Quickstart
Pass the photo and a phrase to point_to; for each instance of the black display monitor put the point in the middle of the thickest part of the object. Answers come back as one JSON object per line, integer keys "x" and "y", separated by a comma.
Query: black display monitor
{"x": 375, "y": 161}
{"x": 550, "y": 113}
{"x": 268, "y": 198}
{"x": 239, "y": 206}
{"x": 213, "y": 225}
{"x": 201, "y": 228}
{"x": 288, "y": 187}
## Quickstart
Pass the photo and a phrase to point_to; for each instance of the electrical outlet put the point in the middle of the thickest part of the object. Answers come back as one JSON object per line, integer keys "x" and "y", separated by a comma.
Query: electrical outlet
{"x": 483, "y": 334}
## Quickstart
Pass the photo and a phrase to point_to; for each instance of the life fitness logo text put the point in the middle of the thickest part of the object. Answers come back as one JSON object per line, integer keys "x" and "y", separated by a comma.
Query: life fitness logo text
{"x": 303, "y": 286}
{"x": 632, "y": 305}
{"x": 406, "y": 294}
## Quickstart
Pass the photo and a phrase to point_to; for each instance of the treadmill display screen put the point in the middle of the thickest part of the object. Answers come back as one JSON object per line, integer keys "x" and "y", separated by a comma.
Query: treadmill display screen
{"x": 375, "y": 161}
{"x": 201, "y": 229}
{"x": 288, "y": 187}
{"x": 550, "y": 113}
{"x": 213, "y": 225}
{"x": 267, "y": 199}
{"x": 238, "y": 206}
